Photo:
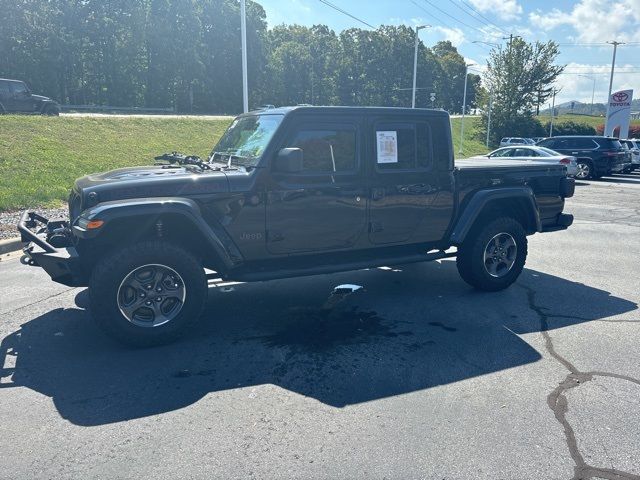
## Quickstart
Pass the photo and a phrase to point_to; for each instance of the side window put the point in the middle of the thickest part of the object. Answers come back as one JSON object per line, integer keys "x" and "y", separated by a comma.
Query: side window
{"x": 523, "y": 152}
{"x": 585, "y": 143}
{"x": 403, "y": 146}
{"x": 505, "y": 152}
{"x": 326, "y": 150}
{"x": 18, "y": 88}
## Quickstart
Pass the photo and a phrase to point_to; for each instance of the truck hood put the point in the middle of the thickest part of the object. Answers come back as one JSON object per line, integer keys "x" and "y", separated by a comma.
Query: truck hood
{"x": 148, "y": 181}
{"x": 40, "y": 98}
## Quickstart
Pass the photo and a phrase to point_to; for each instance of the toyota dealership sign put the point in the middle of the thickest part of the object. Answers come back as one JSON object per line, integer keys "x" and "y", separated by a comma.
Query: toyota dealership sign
{"x": 619, "y": 113}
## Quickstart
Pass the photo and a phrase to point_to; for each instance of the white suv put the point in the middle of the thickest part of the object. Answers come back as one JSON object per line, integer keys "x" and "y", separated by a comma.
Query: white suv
{"x": 508, "y": 141}
{"x": 634, "y": 146}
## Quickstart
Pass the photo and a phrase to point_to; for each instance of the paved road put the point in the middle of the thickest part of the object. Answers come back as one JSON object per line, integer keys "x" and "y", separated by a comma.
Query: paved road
{"x": 417, "y": 376}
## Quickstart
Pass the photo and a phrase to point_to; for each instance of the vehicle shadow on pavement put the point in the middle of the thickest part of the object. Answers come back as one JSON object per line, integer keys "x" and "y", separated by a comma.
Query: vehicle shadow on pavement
{"x": 409, "y": 328}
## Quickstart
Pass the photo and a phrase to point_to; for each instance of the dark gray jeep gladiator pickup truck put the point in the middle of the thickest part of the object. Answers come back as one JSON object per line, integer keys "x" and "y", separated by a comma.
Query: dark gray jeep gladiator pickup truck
{"x": 289, "y": 192}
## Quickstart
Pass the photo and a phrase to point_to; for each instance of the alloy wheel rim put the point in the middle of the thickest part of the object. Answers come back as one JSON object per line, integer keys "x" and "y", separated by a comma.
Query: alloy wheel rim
{"x": 583, "y": 170}
{"x": 151, "y": 295}
{"x": 500, "y": 255}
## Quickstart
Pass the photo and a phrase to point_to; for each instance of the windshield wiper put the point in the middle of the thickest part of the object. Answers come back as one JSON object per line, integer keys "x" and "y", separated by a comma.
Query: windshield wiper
{"x": 182, "y": 159}
{"x": 231, "y": 156}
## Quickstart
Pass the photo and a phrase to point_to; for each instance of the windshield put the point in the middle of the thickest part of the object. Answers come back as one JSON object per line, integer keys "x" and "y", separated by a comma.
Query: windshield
{"x": 245, "y": 139}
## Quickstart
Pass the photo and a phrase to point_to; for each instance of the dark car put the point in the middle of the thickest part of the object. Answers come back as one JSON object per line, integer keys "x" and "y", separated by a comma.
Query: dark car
{"x": 289, "y": 192}
{"x": 596, "y": 156}
{"x": 15, "y": 97}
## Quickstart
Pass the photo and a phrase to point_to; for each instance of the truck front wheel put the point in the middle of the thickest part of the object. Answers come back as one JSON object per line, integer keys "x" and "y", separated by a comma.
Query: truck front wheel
{"x": 147, "y": 294}
{"x": 493, "y": 255}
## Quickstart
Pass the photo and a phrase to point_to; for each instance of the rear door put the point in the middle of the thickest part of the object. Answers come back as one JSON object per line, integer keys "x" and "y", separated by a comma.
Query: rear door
{"x": 411, "y": 186}
{"x": 323, "y": 207}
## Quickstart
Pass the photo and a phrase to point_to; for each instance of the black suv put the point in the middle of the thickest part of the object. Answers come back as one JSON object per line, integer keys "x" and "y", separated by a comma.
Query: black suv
{"x": 15, "y": 97}
{"x": 595, "y": 156}
{"x": 289, "y": 192}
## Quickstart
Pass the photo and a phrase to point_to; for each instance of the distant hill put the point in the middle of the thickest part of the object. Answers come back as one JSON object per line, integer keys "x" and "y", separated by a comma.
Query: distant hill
{"x": 580, "y": 108}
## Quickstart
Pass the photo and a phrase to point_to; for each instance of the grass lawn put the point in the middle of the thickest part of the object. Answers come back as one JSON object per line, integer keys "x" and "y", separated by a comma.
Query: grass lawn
{"x": 40, "y": 157}
{"x": 471, "y": 145}
{"x": 593, "y": 121}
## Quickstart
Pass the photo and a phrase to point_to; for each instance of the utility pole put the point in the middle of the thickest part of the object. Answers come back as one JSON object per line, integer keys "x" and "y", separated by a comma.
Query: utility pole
{"x": 613, "y": 66}
{"x": 243, "y": 34}
{"x": 415, "y": 64}
{"x": 464, "y": 103}
{"x": 489, "y": 116}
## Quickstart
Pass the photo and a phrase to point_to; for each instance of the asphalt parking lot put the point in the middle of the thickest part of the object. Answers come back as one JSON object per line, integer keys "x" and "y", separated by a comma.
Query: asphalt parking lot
{"x": 416, "y": 375}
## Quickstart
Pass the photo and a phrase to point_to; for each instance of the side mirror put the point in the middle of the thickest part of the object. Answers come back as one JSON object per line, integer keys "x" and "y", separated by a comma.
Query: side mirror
{"x": 289, "y": 160}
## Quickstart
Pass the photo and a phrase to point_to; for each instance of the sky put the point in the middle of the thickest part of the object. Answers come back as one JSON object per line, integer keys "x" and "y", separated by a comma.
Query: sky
{"x": 581, "y": 27}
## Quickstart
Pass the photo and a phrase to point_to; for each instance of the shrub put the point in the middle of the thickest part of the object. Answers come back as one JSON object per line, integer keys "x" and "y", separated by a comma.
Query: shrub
{"x": 634, "y": 131}
{"x": 571, "y": 128}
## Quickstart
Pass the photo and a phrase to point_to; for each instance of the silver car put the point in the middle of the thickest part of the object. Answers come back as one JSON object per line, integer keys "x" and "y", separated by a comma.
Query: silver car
{"x": 534, "y": 153}
{"x": 634, "y": 147}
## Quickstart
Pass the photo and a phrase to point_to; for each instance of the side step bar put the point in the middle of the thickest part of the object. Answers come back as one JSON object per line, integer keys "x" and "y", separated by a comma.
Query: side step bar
{"x": 256, "y": 276}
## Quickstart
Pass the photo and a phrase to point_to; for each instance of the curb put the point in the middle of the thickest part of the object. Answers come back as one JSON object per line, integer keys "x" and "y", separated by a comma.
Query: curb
{"x": 10, "y": 245}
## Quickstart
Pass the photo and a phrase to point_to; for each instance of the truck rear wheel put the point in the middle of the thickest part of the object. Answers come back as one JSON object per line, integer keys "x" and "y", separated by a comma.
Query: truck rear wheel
{"x": 147, "y": 294}
{"x": 493, "y": 255}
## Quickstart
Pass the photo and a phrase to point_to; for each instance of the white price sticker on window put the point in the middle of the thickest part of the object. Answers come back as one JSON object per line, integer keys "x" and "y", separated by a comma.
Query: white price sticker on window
{"x": 387, "y": 146}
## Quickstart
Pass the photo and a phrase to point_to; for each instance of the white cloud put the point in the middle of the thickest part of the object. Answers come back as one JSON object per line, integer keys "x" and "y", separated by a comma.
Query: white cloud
{"x": 594, "y": 20}
{"x": 454, "y": 35}
{"x": 579, "y": 86}
{"x": 504, "y": 9}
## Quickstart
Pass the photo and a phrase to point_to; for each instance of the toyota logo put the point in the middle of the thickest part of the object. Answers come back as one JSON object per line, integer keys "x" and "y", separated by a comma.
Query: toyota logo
{"x": 620, "y": 97}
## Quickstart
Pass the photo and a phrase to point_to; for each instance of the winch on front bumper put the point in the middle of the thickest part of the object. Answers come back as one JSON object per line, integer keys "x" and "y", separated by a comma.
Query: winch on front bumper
{"x": 48, "y": 244}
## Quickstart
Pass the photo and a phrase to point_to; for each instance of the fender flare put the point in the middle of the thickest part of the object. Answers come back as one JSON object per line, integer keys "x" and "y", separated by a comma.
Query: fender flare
{"x": 479, "y": 201}
{"x": 46, "y": 104}
{"x": 215, "y": 235}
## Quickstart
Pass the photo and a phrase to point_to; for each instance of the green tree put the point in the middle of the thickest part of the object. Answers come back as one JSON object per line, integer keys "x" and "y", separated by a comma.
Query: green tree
{"x": 518, "y": 77}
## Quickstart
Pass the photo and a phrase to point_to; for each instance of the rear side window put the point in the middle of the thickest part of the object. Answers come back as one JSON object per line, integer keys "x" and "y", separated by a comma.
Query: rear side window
{"x": 403, "y": 146}
{"x": 327, "y": 150}
{"x": 609, "y": 143}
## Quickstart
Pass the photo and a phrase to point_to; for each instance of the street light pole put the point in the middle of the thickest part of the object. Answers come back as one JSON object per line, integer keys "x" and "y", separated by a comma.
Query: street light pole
{"x": 464, "y": 103}
{"x": 243, "y": 34}
{"x": 489, "y": 116}
{"x": 613, "y": 66}
{"x": 415, "y": 64}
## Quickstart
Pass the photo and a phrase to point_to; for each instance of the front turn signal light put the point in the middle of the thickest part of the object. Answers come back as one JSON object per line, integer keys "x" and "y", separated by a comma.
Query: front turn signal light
{"x": 93, "y": 224}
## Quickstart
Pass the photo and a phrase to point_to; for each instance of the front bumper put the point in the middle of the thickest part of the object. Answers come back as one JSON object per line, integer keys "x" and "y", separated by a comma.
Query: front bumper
{"x": 62, "y": 264}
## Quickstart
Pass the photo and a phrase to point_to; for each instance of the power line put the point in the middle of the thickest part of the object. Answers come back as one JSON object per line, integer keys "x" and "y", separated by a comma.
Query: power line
{"x": 467, "y": 13}
{"x": 437, "y": 19}
{"x": 482, "y": 16}
{"x": 452, "y": 17}
{"x": 479, "y": 15}
{"x": 335, "y": 7}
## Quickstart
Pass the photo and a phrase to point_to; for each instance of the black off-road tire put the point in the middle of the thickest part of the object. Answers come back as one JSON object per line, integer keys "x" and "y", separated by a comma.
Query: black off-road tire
{"x": 470, "y": 260}
{"x": 109, "y": 273}
{"x": 51, "y": 111}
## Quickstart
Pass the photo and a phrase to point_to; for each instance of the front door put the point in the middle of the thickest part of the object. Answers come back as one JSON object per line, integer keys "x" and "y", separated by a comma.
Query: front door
{"x": 407, "y": 176}
{"x": 323, "y": 207}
